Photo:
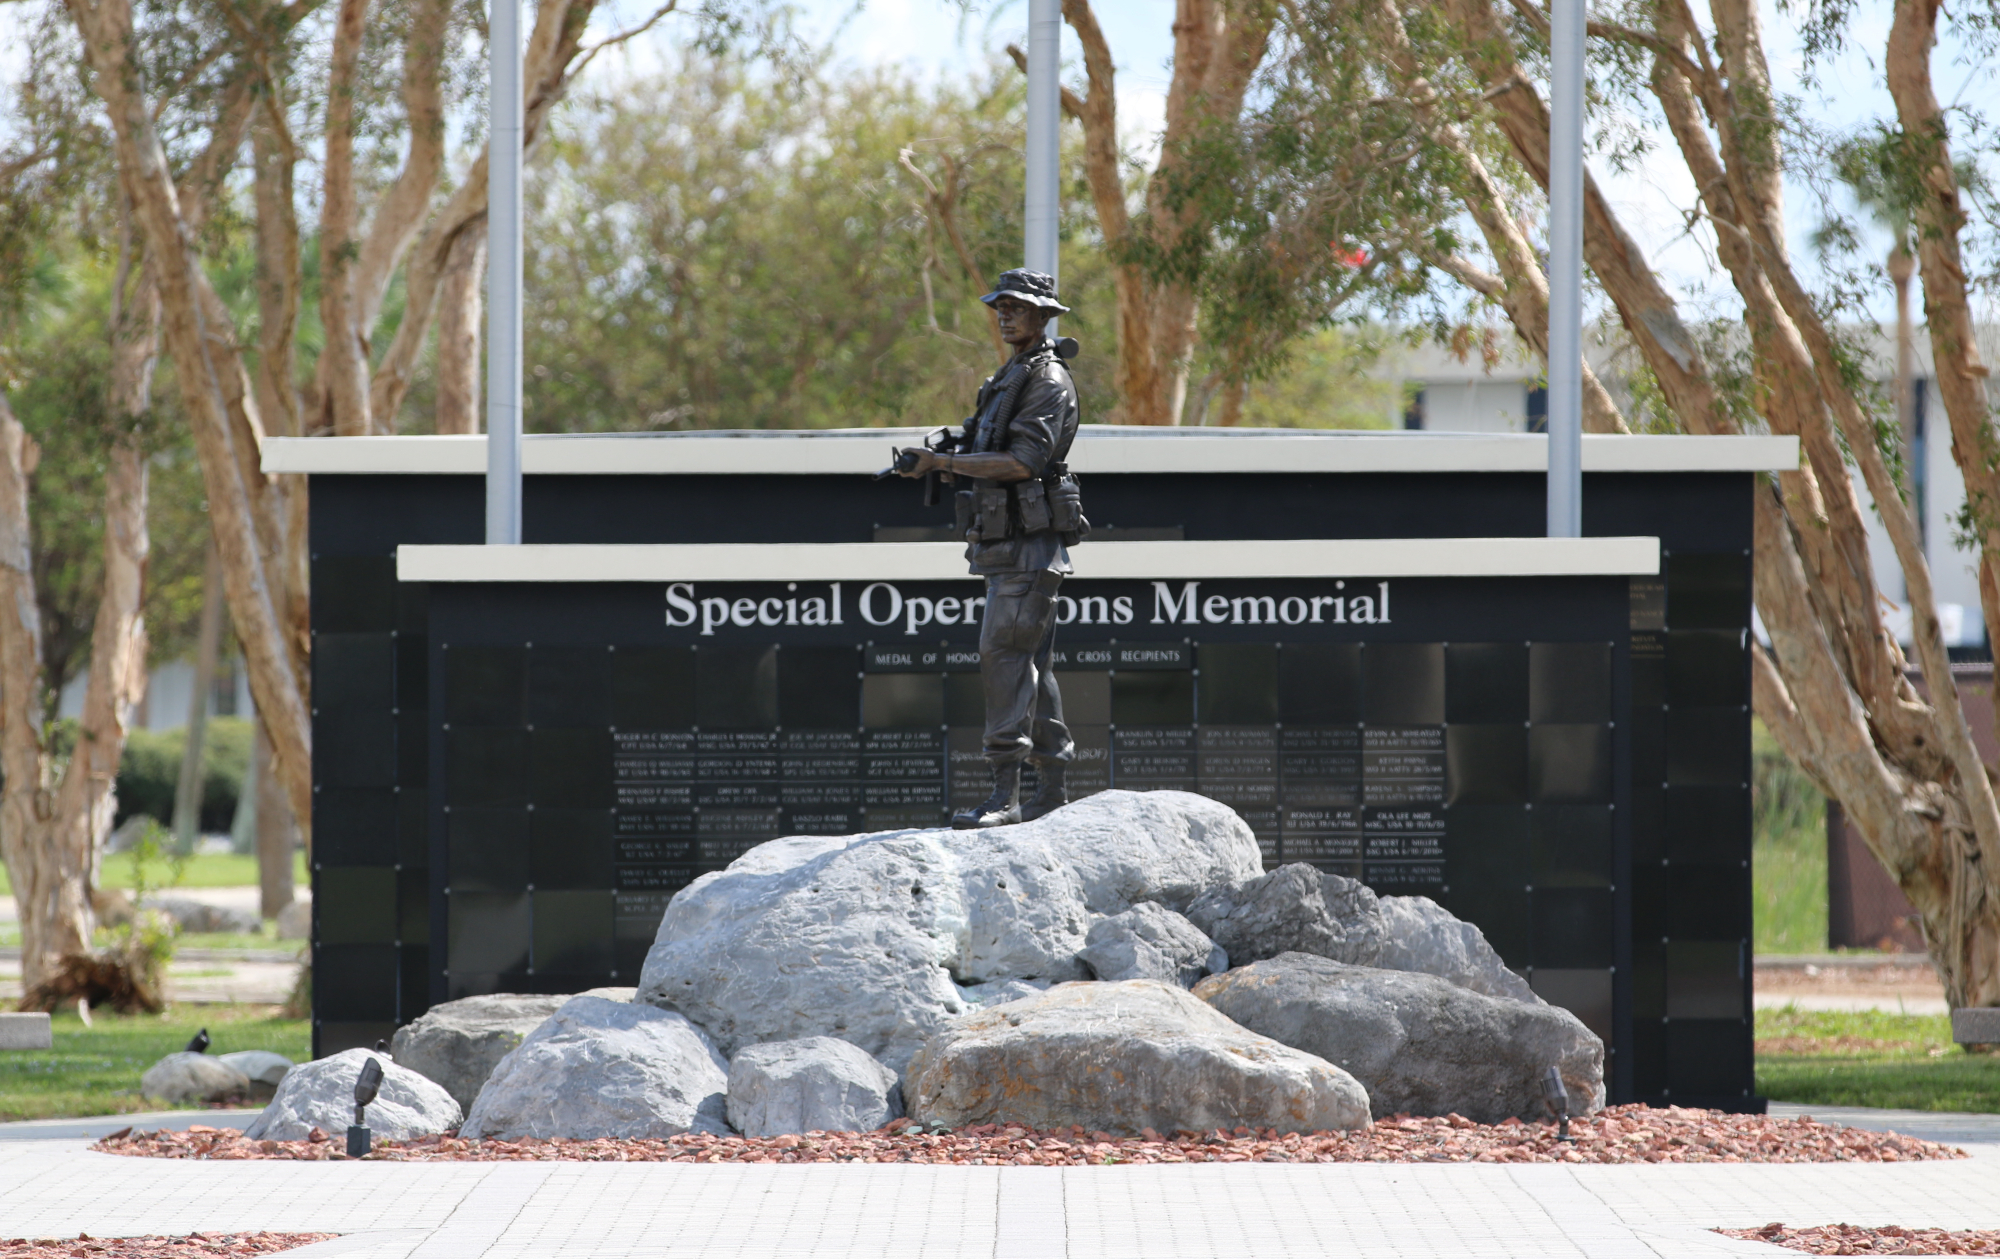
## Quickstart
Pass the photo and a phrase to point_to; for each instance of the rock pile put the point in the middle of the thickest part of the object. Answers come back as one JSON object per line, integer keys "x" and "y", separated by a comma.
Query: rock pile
{"x": 1033, "y": 975}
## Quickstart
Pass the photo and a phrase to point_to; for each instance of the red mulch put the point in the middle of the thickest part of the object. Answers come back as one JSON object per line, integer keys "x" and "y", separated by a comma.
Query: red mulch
{"x": 193, "y": 1246}
{"x": 1621, "y": 1134}
{"x": 1849, "y": 1239}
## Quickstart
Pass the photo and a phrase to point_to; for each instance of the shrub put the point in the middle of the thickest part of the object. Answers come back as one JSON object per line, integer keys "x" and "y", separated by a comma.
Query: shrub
{"x": 151, "y": 770}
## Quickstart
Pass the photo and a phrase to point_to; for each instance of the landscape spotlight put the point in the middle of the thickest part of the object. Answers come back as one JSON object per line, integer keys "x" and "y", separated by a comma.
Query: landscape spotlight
{"x": 359, "y": 1139}
{"x": 1557, "y": 1098}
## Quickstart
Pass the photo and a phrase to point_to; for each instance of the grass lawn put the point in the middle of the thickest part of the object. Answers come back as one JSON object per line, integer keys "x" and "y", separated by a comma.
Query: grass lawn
{"x": 1788, "y": 853}
{"x": 96, "y": 1070}
{"x": 1899, "y": 1061}
{"x": 223, "y": 869}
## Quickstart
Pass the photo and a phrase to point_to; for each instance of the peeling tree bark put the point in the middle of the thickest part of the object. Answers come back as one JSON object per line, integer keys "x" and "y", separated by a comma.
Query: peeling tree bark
{"x": 459, "y": 318}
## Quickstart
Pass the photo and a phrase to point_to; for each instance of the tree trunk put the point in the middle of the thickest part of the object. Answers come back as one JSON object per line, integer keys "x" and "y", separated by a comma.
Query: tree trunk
{"x": 277, "y": 839}
{"x": 459, "y": 319}
{"x": 208, "y": 647}
{"x": 343, "y": 363}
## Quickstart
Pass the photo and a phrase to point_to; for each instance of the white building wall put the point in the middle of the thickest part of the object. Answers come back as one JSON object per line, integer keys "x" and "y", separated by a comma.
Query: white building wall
{"x": 168, "y": 688}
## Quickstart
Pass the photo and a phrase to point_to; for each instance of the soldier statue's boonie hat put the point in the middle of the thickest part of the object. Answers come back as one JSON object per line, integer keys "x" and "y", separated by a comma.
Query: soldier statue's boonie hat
{"x": 1023, "y": 285}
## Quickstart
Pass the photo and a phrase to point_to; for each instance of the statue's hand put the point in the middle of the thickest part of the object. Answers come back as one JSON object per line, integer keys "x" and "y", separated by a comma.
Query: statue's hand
{"x": 915, "y": 461}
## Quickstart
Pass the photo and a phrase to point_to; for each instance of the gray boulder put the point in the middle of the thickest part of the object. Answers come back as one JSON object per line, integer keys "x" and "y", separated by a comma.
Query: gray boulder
{"x": 869, "y": 937}
{"x": 818, "y": 1084}
{"x": 1421, "y": 935}
{"x": 1293, "y": 909}
{"x": 601, "y": 1068}
{"x": 1148, "y": 942}
{"x": 184, "y": 1079}
{"x": 459, "y": 1043}
{"x": 320, "y": 1094}
{"x": 264, "y": 1069}
{"x": 1122, "y": 1057}
{"x": 1421, "y": 1045}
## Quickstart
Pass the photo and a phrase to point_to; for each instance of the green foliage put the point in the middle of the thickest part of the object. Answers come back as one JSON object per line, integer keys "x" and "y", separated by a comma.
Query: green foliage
{"x": 151, "y": 770}
{"x": 208, "y": 869}
{"x": 1325, "y": 384}
{"x": 722, "y": 247}
{"x": 95, "y": 1070}
{"x": 146, "y": 940}
{"x": 1871, "y": 1058}
{"x": 1788, "y": 853}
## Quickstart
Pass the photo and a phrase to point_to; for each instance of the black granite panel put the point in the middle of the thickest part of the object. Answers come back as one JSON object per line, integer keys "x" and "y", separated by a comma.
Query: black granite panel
{"x": 1707, "y": 668}
{"x": 1708, "y": 1058}
{"x": 652, "y": 688}
{"x": 1709, "y": 824}
{"x": 573, "y": 931}
{"x": 413, "y": 828}
{"x": 965, "y": 699}
{"x": 413, "y": 984}
{"x": 355, "y": 982}
{"x": 1573, "y": 928}
{"x": 819, "y": 688}
{"x": 487, "y": 765}
{"x": 1152, "y": 698}
{"x": 1238, "y": 683}
{"x": 355, "y": 905}
{"x": 413, "y": 908}
{"x": 355, "y": 828}
{"x": 354, "y": 747}
{"x": 1319, "y": 684}
{"x": 1569, "y": 764}
{"x": 570, "y": 769}
{"x": 485, "y": 686}
{"x": 489, "y": 932}
{"x": 1705, "y": 902}
{"x": 1569, "y": 682}
{"x": 1584, "y": 993}
{"x": 1572, "y": 845}
{"x": 488, "y": 850}
{"x": 569, "y": 686}
{"x": 1707, "y": 746}
{"x": 569, "y": 849}
{"x": 736, "y": 687}
{"x": 1404, "y": 684}
{"x": 413, "y": 667}
{"x": 1707, "y": 591}
{"x": 897, "y": 701}
{"x": 1705, "y": 979}
{"x": 354, "y": 671}
{"x": 1486, "y": 764}
{"x": 354, "y": 594}
{"x": 1486, "y": 682}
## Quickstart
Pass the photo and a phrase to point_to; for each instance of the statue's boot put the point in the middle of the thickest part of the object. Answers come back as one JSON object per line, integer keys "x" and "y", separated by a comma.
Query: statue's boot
{"x": 1051, "y": 795}
{"x": 1002, "y": 808}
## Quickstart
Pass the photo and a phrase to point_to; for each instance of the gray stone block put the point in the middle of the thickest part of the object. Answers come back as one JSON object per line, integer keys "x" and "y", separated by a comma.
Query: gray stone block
{"x": 26, "y": 1031}
{"x": 1976, "y": 1025}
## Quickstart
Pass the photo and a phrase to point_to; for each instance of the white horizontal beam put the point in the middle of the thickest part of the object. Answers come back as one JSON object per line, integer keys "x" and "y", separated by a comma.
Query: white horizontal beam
{"x": 1099, "y": 449}
{"x": 945, "y": 561}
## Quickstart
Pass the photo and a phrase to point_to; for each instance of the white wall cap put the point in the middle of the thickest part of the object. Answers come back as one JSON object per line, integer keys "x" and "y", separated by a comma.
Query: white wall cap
{"x": 1099, "y": 449}
{"x": 945, "y": 561}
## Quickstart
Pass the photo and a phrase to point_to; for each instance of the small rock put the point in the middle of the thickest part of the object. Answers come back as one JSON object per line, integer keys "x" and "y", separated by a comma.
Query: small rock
{"x": 1122, "y": 1057}
{"x": 320, "y": 1094}
{"x": 184, "y": 1078}
{"x": 1148, "y": 941}
{"x": 819, "y": 1084}
{"x": 265, "y": 1070}
{"x": 1293, "y": 909}
{"x": 295, "y": 921}
{"x": 200, "y": 918}
{"x": 599, "y": 1068}
{"x": 1420, "y": 1044}
{"x": 1421, "y": 935}
{"x": 459, "y": 1042}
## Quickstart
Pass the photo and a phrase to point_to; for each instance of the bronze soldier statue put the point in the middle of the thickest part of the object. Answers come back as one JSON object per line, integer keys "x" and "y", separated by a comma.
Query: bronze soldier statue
{"x": 1019, "y": 518}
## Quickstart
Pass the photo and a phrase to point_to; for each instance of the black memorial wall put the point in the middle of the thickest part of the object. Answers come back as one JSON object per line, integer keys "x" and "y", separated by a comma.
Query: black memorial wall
{"x": 511, "y": 780}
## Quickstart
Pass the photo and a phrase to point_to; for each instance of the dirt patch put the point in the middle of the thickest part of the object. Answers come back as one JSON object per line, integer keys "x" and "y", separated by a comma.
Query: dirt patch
{"x": 1621, "y": 1134}
{"x": 1849, "y": 1239}
{"x": 192, "y": 1246}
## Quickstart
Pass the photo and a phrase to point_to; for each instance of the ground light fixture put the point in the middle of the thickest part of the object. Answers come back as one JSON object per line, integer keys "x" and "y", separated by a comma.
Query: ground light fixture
{"x": 1553, "y": 1093}
{"x": 366, "y": 1086}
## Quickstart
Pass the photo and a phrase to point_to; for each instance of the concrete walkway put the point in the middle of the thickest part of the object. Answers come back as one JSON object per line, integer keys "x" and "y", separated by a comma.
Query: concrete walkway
{"x": 56, "y": 1187}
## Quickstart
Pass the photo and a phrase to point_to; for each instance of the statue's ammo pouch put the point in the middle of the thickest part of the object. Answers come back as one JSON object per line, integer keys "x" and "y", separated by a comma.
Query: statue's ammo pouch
{"x": 964, "y": 513}
{"x": 1033, "y": 498}
{"x": 987, "y": 508}
{"x": 1065, "y": 501}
